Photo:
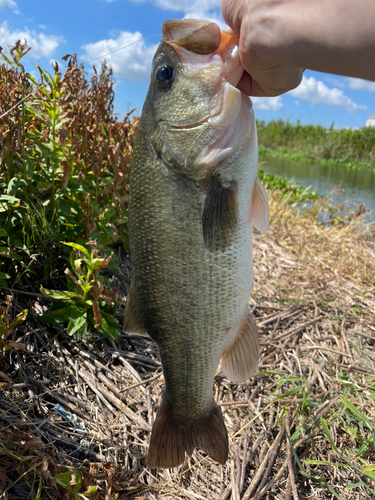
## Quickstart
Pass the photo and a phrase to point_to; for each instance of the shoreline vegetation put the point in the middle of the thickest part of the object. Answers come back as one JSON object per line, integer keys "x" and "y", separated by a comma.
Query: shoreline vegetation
{"x": 78, "y": 398}
{"x": 346, "y": 148}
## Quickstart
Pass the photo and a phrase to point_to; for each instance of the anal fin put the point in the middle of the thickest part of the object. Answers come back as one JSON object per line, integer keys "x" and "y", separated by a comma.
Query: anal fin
{"x": 240, "y": 361}
{"x": 132, "y": 322}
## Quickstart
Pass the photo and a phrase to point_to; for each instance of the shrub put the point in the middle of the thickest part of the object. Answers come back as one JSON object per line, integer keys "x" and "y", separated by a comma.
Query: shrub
{"x": 64, "y": 163}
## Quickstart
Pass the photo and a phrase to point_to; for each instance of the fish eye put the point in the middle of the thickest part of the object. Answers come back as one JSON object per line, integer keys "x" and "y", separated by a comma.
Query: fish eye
{"x": 164, "y": 76}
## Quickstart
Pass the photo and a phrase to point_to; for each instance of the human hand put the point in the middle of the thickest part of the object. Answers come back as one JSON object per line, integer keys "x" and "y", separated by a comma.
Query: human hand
{"x": 258, "y": 25}
{"x": 280, "y": 37}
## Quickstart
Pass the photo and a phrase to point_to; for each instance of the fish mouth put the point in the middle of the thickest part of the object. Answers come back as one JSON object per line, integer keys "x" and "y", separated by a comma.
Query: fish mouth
{"x": 199, "y": 37}
{"x": 233, "y": 123}
{"x": 199, "y": 45}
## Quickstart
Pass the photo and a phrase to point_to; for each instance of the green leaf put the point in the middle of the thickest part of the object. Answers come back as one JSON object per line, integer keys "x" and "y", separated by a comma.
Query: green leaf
{"x": 108, "y": 327}
{"x": 295, "y": 435}
{"x": 64, "y": 478}
{"x": 13, "y": 186}
{"x": 3, "y": 232}
{"x": 18, "y": 319}
{"x": 78, "y": 266}
{"x": 39, "y": 492}
{"x": 10, "y": 199}
{"x": 78, "y": 247}
{"x": 303, "y": 473}
{"x": 356, "y": 412}
{"x": 33, "y": 79}
{"x": 11, "y": 63}
{"x": 56, "y": 294}
{"x": 15, "y": 256}
{"x": 4, "y": 276}
{"x": 43, "y": 91}
{"x": 322, "y": 462}
{"x": 43, "y": 148}
{"x": 328, "y": 434}
{"x": 369, "y": 471}
{"x": 97, "y": 263}
{"x": 290, "y": 393}
{"x": 92, "y": 490}
{"x": 77, "y": 324}
{"x": 62, "y": 315}
{"x": 355, "y": 485}
{"x": 73, "y": 286}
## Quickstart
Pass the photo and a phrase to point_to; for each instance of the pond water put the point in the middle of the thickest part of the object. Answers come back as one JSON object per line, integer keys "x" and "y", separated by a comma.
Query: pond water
{"x": 352, "y": 187}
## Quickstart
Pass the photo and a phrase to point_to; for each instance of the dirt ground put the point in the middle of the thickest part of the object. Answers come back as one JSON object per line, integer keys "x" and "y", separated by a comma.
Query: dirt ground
{"x": 75, "y": 416}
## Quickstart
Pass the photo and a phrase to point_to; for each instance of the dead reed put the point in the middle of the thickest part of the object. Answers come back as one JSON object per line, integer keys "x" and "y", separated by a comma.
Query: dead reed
{"x": 301, "y": 428}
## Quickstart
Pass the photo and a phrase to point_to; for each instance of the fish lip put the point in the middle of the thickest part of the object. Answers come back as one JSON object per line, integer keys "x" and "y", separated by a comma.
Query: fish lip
{"x": 192, "y": 125}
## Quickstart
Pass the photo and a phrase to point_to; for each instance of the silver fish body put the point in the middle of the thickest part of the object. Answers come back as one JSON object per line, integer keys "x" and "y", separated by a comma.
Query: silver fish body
{"x": 195, "y": 196}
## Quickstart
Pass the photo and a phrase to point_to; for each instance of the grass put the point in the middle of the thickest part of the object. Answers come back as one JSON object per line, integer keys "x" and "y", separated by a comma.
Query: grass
{"x": 76, "y": 411}
{"x": 353, "y": 149}
{"x": 302, "y": 427}
{"x": 292, "y": 192}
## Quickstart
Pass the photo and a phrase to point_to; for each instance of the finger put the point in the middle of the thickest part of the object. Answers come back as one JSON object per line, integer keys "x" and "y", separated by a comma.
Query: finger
{"x": 231, "y": 14}
{"x": 252, "y": 88}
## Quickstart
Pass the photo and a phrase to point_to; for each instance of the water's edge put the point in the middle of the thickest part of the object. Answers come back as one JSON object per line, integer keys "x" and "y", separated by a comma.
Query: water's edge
{"x": 351, "y": 187}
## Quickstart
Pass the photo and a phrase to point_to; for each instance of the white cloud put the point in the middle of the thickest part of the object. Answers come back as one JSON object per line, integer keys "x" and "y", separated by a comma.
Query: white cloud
{"x": 358, "y": 84}
{"x": 185, "y": 5}
{"x": 132, "y": 59}
{"x": 266, "y": 103}
{"x": 316, "y": 92}
{"x": 336, "y": 81}
{"x": 207, "y": 16}
{"x": 9, "y": 3}
{"x": 41, "y": 45}
{"x": 193, "y": 9}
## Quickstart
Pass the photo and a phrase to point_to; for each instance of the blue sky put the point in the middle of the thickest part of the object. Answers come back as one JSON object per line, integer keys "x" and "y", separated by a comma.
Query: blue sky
{"x": 92, "y": 28}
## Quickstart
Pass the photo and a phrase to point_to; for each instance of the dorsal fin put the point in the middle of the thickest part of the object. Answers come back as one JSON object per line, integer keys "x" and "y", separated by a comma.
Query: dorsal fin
{"x": 240, "y": 361}
{"x": 260, "y": 213}
{"x": 132, "y": 322}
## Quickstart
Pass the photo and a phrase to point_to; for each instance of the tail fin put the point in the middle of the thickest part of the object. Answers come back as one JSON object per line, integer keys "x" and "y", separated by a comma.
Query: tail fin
{"x": 171, "y": 437}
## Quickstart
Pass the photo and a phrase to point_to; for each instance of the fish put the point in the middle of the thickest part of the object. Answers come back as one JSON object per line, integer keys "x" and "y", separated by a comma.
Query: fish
{"x": 194, "y": 198}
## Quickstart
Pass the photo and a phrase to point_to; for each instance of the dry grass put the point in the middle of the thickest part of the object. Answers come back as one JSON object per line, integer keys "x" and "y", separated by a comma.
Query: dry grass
{"x": 302, "y": 428}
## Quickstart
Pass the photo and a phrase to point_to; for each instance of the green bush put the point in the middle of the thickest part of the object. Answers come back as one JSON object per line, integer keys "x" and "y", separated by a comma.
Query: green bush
{"x": 347, "y": 147}
{"x": 64, "y": 164}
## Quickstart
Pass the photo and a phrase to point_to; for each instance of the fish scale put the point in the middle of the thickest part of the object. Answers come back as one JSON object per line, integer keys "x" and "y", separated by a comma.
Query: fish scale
{"x": 190, "y": 292}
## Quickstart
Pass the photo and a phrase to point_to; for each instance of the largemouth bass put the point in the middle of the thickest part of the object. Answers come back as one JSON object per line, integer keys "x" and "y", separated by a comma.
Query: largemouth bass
{"x": 194, "y": 198}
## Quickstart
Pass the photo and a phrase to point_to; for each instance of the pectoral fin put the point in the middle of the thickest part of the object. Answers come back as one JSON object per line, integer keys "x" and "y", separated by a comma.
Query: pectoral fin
{"x": 132, "y": 322}
{"x": 220, "y": 214}
{"x": 240, "y": 361}
{"x": 260, "y": 213}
